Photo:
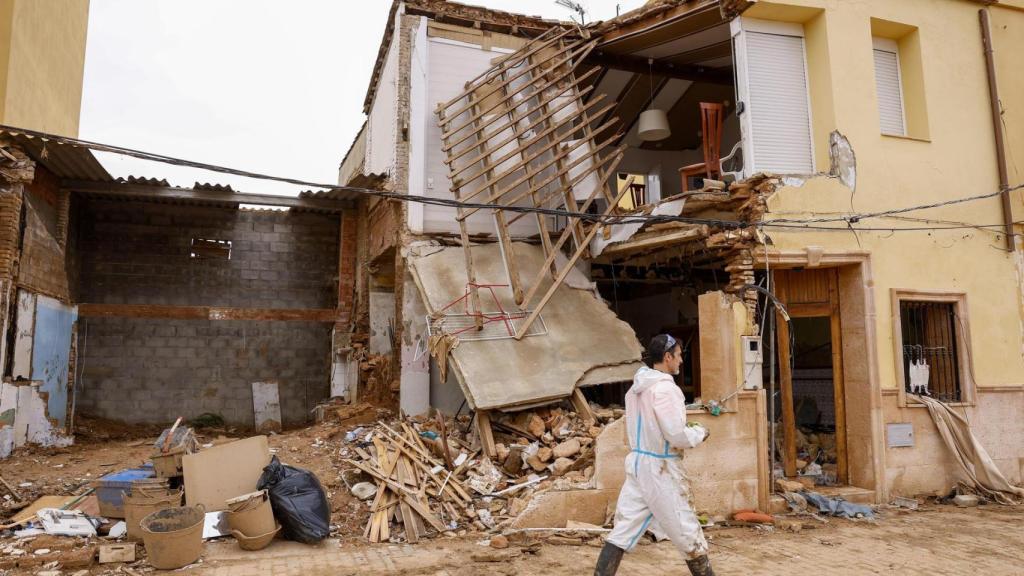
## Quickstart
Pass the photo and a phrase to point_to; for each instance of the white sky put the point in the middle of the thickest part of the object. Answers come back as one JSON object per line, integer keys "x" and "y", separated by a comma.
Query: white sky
{"x": 267, "y": 86}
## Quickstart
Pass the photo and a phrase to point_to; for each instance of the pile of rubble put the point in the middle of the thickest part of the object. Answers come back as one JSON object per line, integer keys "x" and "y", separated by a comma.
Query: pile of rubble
{"x": 422, "y": 476}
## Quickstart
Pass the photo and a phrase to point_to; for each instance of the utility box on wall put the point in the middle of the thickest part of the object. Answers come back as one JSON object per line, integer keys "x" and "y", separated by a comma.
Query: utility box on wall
{"x": 753, "y": 361}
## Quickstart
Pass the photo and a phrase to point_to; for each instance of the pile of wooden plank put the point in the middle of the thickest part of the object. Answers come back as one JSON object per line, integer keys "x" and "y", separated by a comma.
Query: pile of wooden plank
{"x": 414, "y": 489}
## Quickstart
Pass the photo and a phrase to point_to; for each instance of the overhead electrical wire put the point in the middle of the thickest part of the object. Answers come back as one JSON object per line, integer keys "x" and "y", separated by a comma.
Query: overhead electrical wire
{"x": 807, "y": 223}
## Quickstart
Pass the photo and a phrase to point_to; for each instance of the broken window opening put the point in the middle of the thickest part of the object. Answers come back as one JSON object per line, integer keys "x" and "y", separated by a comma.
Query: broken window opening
{"x": 931, "y": 354}
{"x": 210, "y": 249}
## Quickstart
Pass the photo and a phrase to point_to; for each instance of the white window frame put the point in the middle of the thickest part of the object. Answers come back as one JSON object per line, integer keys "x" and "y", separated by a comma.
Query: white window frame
{"x": 889, "y": 45}
{"x": 737, "y": 28}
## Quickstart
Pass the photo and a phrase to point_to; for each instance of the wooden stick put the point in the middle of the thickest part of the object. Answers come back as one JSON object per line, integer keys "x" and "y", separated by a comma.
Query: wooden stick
{"x": 534, "y": 170}
{"x": 617, "y": 157}
{"x": 504, "y": 238}
{"x": 170, "y": 435}
{"x": 583, "y": 407}
{"x": 467, "y": 254}
{"x": 525, "y": 326}
{"x": 10, "y": 488}
{"x": 486, "y": 76}
{"x": 483, "y": 425}
{"x": 515, "y": 119}
{"x": 524, "y": 160}
{"x": 577, "y": 50}
{"x": 563, "y": 173}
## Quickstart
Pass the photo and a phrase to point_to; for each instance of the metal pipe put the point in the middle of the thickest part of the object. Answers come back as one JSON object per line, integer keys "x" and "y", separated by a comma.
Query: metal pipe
{"x": 997, "y": 125}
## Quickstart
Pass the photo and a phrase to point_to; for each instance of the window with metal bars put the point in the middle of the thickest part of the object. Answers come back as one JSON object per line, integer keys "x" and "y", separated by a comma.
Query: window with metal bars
{"x": 930, "y": 339}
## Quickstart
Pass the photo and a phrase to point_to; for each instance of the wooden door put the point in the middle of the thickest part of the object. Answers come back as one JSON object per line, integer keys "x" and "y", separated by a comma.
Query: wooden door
{"x": 808, "y": 294}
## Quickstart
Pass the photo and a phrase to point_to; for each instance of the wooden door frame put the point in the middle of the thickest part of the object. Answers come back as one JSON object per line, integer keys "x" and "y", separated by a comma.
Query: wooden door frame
{"x": 831, "y": 311}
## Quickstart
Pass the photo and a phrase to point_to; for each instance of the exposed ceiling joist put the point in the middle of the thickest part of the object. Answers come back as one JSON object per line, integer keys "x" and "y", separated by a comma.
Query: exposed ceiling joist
{"x": 640, "y": 65}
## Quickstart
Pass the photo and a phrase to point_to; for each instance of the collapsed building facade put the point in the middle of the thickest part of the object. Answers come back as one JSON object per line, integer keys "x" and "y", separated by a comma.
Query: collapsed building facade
{"x": 556, "y": 226}
{"x": 577, "y": 234}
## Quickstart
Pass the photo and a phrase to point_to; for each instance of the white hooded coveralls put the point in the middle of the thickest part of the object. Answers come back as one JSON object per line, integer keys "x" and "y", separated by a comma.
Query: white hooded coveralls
{"x": 656, "y": 493}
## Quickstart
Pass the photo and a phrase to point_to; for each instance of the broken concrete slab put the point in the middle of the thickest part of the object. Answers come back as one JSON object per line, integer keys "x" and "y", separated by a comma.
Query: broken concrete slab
{"x": 583, "y": 334}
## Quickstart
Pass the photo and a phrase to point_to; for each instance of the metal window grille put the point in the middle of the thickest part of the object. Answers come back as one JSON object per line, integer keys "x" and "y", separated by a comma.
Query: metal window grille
{"x": 930, "y": 336}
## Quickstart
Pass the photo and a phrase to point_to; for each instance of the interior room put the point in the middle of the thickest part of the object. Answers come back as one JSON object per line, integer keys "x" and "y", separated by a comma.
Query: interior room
{"x": 674, "y": 92}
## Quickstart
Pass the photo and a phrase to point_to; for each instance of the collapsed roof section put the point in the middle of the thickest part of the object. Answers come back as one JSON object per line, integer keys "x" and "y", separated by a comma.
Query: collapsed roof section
{"x": 579, "y": 341}
{"x": 520, "y": 135}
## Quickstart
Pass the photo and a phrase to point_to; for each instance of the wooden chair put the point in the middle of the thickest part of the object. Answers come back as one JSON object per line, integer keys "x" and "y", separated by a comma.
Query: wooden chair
{"x": 711, "y": 116}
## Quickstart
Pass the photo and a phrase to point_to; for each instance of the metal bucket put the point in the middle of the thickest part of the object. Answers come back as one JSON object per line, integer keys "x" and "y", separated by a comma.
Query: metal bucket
{"x": 174, "y": 536}
{"x": 141, "y": 503}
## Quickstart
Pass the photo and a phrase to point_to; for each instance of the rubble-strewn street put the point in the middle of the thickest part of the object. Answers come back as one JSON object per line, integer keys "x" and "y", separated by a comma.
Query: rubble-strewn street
{"x": 936, "y": 540}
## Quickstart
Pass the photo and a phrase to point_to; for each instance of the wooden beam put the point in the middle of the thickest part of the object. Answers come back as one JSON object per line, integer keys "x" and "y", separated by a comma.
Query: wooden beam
{"x": 835, "y": 324}
{"x": 206, "y": 312}
{"x": 232, "y": 199}
{"x": 639, "y": 65}
{"x": 786, "y": 384}
{"x": 697, "y": 232}
{"x": 579, "y": 402}
{"x": 483, "y": 428}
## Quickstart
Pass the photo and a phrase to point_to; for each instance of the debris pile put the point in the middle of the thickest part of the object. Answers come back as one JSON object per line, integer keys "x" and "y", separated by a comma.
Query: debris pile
{"x": 423, "y": 476}
{"x": 73, "y": 522}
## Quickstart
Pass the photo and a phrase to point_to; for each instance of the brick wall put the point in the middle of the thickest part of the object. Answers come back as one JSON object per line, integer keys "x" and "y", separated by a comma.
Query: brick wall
{"x": 42, "y": 266}
{"x": 153, "y": 370}
{"x": 145, "y": 370}
{"x": 138, "y": 253}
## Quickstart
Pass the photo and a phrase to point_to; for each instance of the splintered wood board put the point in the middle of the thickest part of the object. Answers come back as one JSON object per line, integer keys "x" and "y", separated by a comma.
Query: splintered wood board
{"x": 222, "y": 472}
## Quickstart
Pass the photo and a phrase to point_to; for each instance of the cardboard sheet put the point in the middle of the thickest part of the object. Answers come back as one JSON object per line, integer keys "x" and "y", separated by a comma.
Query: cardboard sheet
{"x": 585, "y": 344}
{"x": 216, "y": 474}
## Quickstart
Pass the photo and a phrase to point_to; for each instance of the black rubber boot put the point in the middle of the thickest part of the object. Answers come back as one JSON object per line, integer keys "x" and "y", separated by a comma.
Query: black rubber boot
{"x": 608, "y": 561}
{"x": 700, "y": 566}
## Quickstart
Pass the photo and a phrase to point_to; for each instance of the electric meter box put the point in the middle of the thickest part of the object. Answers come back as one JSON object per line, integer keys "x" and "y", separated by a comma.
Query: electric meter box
{"x": 753, "y": 362}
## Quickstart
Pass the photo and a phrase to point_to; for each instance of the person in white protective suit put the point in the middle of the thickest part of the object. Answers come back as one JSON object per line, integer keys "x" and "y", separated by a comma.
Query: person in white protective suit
{"x": 656, "y": 493}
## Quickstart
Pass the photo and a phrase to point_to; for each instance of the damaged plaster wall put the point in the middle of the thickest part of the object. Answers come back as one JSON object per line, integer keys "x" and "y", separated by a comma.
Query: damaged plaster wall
{"x": 24, "y": 418}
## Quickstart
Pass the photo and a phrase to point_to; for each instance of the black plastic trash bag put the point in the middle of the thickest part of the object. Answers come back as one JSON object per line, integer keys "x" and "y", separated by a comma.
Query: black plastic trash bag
{"x": 298, "y": 501}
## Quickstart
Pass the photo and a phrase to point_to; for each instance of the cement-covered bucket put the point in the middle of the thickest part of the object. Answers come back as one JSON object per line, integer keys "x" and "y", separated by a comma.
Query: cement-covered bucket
{"x": 251, "y": 514}
{"x": 174, "y": 536}
{"x": 142, "y": 503}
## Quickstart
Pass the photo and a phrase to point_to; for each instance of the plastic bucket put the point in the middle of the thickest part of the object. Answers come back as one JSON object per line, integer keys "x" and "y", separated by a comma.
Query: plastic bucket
{"x": 140, "y": 504}
{"x": 174, "y": 536}
{"x": 255, "y": 542}
{"x": 253, "y": 516}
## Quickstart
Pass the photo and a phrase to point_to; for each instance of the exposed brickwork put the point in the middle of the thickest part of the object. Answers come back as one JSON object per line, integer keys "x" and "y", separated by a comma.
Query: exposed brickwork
{"x": 139, "y": 370}
{"x": 43, "y": 263}
{"x": 145, "y": 369}
{"x": 347, "y": 267}
{"x": 138, "y": 253}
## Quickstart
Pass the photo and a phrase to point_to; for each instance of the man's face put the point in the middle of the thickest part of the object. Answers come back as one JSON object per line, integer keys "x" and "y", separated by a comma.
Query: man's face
{"x": 674, "y": 360}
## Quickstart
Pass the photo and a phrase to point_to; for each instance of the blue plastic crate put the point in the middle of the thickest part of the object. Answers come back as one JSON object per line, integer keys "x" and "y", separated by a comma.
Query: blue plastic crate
{"x": 110, "y": 488}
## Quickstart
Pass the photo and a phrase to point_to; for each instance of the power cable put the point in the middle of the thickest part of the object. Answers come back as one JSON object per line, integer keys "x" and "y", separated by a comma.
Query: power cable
{"x": 452, "y": 203}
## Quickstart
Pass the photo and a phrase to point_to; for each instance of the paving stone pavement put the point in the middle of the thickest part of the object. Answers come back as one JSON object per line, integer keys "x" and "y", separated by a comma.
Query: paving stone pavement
{"x": 988, "y": 540}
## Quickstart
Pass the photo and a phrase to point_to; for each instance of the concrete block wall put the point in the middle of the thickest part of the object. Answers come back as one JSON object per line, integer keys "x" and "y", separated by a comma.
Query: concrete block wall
{"x": 138, "y": 253}
{"x": 145, "y": 370}
{"x": 155, "y": 369}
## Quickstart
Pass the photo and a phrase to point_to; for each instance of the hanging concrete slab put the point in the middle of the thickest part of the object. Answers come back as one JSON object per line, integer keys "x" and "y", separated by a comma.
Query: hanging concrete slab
{"x": 584, "y": 342}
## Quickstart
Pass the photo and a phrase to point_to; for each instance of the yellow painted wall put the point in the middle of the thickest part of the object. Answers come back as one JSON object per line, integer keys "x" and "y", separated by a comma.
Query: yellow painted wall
{"x": 957, "y": 160}
{"x": 1008, "y": 40}
{"x": 42, "y": 62}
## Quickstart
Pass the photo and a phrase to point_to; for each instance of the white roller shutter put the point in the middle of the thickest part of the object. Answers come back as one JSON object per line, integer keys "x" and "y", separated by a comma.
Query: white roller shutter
{"x": 890, "y": 93}
{"x": 773, "y": 86}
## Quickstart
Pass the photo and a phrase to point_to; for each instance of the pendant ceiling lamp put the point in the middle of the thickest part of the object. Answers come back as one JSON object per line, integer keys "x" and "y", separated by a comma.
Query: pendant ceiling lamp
{"x": 653, "y": 124}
